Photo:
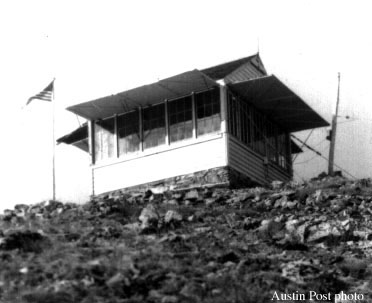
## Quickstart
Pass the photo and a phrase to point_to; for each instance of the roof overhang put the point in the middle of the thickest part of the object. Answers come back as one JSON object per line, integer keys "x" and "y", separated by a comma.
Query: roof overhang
{"x": 166, "y": 89}
{"x": 279, "y": 103}
{"x": 78, "y": 138}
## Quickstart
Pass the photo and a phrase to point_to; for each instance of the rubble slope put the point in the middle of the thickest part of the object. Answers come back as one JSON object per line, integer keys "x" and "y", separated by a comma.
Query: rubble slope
{"x": 197, "y": 245}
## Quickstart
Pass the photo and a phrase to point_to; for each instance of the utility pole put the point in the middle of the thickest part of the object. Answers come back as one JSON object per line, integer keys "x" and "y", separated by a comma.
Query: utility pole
{"x": 333, "y": 134}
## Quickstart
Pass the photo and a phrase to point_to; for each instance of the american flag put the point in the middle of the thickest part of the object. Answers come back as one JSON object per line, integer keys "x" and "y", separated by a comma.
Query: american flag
{"x": 45, "y": 95}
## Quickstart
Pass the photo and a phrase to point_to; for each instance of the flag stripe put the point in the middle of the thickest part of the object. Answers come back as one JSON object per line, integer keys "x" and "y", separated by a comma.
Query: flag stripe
{"x": 45, "y": 95}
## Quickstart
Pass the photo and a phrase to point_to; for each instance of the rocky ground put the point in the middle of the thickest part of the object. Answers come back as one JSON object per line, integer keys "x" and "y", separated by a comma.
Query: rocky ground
{"x": 200, "y": 245}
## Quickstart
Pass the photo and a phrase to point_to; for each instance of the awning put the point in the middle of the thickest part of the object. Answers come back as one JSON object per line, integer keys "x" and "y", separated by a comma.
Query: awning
{"x": 279, "y": 103}
{"x": 170, "y": 88}
{"x": 78, "y": 138}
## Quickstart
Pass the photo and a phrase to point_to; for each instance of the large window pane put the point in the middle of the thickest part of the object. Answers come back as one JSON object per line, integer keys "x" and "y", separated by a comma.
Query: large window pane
{"x": 208, "y": 112}
{"x": 128, "y": 133}
{"x": 272, "y": 136}
{"x": 258, "y": 133}
{"x": 180, "y": 119}
{"x": 104, "y": 139}
{"x": 154, "y": 126}
{"x": 283, "y": 151}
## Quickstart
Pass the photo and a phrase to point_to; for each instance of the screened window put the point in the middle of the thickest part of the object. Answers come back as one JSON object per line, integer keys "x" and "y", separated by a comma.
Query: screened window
{"x": 245, "y": 123}
{"x": 253, "y": 129}
{"x": 282, "y": 151}
{"x": 128, "y": 133}
{"x": 272, "y": 144}
{"x": 258, "y": 133}
{"x": 208, "y": 112}
{"x": 154, "y": 126}
{"x": 180, "y": 119}
{"x": 104, "y": 139}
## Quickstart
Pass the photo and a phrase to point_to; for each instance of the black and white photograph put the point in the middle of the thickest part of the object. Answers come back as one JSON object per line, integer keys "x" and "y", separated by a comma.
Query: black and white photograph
{"x": 186, "y": 151}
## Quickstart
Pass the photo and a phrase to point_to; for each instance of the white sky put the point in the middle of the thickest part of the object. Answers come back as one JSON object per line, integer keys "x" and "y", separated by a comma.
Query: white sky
{"x": 96, "y": 48}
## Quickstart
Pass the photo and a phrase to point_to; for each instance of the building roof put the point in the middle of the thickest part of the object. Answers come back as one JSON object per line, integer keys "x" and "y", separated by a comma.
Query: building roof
{"x": 279, "y": 103}
{"x": 222, "y": 71}
{"x": 78, "y": 137}
{"x": 166, "y": 89}
{"x": 246, "y": 77}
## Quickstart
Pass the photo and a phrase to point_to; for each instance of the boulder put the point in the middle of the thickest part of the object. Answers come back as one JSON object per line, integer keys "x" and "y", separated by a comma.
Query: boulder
{"x": 172, "y": 216}
{"x": 149, "y": 217}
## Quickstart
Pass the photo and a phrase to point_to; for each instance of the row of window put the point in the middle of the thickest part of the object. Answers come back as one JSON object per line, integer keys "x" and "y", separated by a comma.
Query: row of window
{"x": 255, "y": 131}
{"x": 145, "y": 129}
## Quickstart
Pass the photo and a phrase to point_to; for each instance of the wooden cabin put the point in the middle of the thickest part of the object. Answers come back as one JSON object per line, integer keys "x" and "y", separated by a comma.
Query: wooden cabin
{"x": 228, "y": 124}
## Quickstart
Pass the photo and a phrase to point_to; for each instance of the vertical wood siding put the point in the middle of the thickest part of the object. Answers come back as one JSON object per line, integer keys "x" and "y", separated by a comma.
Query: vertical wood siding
{"x": 251, "y": 164}
{"x": 165, "y": 164}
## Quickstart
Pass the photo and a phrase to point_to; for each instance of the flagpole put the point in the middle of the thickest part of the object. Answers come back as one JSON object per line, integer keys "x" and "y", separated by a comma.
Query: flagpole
{"x": 54, "y": 145}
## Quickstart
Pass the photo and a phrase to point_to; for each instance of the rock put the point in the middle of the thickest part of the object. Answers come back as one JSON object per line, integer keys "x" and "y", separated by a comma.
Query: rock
{"x": 149, "y": 217}
{"x": 21, "y": 207}
{"x": 192, "y": 195}
{"x": 291, "y": 204}
{"x": 115, "y": 280}
{"x": 271, "y": 230}
{"x": 276, "y": 185}
{"x": 210, "y": 201}
{"x": 324, "y": 231}
{"x": 136, "y": 227}
{"x": 51, "y": 205}
{"x": 172, "y": 216}
{"x": 178, "y": 196}
{"x": 171, "y": 202}
{"x": 8, "y": 214}
{"x": 229, "y": 257}
{"x": 26, "y": 241}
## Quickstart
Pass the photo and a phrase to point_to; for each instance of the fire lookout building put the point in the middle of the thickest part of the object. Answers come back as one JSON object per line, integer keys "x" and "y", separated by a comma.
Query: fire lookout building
{"x": 227, "y": 124}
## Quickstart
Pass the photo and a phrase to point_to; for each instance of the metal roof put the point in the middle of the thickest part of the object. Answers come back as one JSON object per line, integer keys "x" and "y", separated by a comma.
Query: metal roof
{"x": 78, "y": 134}
{"x": 222, "y": 71}
{"x": 274, "y": 99}
{"x": 170, "y": 88}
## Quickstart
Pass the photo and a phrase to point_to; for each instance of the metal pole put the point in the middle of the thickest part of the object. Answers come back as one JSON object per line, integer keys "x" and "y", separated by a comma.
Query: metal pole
{"x": 54, "y": 160}
{"x": 333, "y": 134}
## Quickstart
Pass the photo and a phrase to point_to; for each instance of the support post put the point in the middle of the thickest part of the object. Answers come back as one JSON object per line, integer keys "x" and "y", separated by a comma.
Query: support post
{"x": 223, "y": 106}
{"x": 91, "y": 141}
{"x": 167, "y": 134}
{"x": 333, "y": 134}
{"x": 54, "y": 146}
{"x": 194, "y": 124}
{"x": 140, "y": 128}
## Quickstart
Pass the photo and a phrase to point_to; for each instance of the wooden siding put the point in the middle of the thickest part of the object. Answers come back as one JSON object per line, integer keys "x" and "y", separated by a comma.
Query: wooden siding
{"x": 246, "y": 161}
{"x": 278, "y": 173}
{"x": 159, "y": 165}
{"x": 245, "y": 72}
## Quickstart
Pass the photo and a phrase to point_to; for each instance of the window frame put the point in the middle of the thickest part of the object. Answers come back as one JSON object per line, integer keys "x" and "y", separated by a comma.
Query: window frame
{"x": 168, "y": 143}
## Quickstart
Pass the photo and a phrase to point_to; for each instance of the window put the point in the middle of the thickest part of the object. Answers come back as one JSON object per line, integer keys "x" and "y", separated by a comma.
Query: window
{"x": 154, "y": 126}
{"x": 131, "y": 132}
{"x": 282, "y": 151}
{"x": 208, "y": 112}
{"x": 258, "y": 133}
{"x": 245, "y": 120}
{"x": 239, "y": 119}
{"x": 128, "y": 133}
{"x": 253, "y": 129}
{"x": 180, "y": 119}
{"x": 104, "y": 139}
{"x": 272, "y": 144}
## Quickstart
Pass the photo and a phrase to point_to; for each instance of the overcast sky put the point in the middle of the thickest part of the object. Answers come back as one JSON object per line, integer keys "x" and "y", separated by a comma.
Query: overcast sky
{"x": 97, "y": 48}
